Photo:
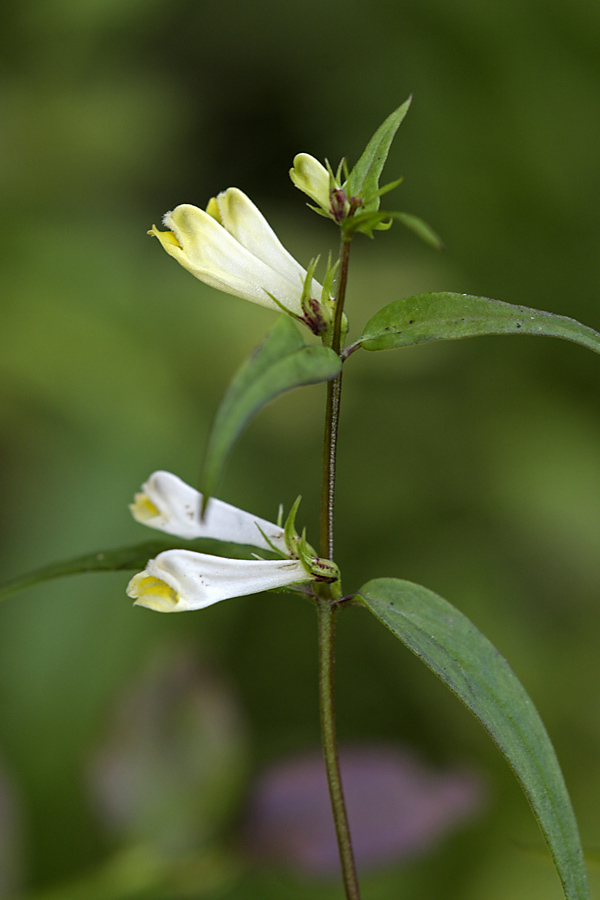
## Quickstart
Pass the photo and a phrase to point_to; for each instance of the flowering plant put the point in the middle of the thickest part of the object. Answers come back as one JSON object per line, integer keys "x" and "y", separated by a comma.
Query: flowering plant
{"x": 231, "y": 247}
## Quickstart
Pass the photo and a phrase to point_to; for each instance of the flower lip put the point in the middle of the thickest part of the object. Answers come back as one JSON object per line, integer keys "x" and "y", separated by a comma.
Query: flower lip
{"x": 165, "y": 237}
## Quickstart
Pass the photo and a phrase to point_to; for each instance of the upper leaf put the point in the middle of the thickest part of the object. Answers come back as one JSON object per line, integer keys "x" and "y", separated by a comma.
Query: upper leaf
{"x": 446, "y": 641}
{"x": 283, "y": 361}
{"x": 364, "y": 177}
{"x": 447, "y": 316}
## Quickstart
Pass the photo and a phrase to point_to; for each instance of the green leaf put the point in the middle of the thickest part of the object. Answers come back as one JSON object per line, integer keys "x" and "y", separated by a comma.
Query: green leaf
{"x": 282, "y": 362}
{"x": 364, "y": 177}
{"x": 122, "y": 559}
{"x": 381, "y": 220}
{"x": 446, "y": 641}
{"x": 367, "y": 222}
{"x": 447, "y": 317}
{"x": 420, "y": 228}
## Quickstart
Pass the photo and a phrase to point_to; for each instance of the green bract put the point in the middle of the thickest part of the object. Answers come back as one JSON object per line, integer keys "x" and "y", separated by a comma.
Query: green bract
{"x": 364, "y": 178}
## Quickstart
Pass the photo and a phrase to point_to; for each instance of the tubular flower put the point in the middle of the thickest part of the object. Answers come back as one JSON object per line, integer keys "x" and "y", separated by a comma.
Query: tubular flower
{"x": 232, "y": 247}
{"x": 169, "y": 504}
{"x": 179, "y": 580}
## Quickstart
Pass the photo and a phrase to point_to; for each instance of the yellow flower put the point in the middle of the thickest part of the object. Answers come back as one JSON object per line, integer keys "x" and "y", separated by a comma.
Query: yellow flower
{"x": 321, "y": 185}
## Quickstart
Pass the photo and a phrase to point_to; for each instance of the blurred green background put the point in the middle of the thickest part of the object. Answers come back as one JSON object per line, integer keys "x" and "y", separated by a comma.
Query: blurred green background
{"x": 471, "y": 467}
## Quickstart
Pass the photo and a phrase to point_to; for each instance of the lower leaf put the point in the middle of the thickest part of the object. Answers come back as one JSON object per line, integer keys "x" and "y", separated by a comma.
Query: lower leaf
{"x": 446, "y": 641}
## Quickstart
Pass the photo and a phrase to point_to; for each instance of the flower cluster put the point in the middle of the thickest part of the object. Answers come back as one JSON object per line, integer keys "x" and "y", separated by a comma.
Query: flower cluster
{"x": 231, "y": 246}
{"x": 178, "y": 580}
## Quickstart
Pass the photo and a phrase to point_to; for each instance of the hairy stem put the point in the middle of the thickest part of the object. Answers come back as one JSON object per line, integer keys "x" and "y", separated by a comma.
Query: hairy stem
{"x": 326, "y": 606}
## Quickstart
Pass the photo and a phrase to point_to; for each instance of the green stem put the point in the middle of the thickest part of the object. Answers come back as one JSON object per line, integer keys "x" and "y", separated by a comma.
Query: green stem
{"x": 332, "y": 415}
{"x": 326, "y": 606}
{"x": 326, "y": 618}
{"x": 332, "y": 418}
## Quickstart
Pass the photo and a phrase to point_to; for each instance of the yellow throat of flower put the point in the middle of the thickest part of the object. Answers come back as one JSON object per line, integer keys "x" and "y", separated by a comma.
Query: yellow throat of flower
{"x": 152, "y": 592}
{"x": 143, "y": 509}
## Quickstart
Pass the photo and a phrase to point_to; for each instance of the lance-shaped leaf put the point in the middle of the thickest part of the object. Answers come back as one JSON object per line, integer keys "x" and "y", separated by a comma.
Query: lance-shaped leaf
{"x": 447, "y": 317}
{"x": 364, "y": 177}
{"x": 446, "y": 641}
{"x": 282, "y": 362}
{"x": 381, "y": 220}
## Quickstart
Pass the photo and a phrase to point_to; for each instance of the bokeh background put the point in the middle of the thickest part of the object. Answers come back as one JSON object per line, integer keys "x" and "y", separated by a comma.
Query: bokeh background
{"x": 131, "y": 744}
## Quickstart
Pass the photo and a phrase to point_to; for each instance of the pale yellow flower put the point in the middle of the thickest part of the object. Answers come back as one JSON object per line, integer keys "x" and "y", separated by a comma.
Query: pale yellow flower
{"x": 312, "y": 178}
{"x": 232, "y": 247}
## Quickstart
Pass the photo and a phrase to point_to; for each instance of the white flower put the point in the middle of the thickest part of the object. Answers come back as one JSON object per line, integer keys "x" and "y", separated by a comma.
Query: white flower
{"x": 169, "y": 504}
{"x": 179, "y": 580}
{"x": 232, "y": 247}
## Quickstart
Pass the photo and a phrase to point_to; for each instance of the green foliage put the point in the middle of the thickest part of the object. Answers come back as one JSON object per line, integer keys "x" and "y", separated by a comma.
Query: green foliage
{"x": 364, "y": 177}
{"x": 447, "y": 316}
{"x": 446, "y": 641}
{"x": 282, "y": 362}
{"x": 420, "y": 228}
{"x": 363, "y": 182}
{"x": 382, "y": 220}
